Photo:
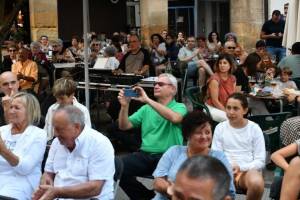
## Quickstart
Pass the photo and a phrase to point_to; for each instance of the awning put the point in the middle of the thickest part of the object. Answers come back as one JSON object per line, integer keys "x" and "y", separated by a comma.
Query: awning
{"x": 292, "y": 25}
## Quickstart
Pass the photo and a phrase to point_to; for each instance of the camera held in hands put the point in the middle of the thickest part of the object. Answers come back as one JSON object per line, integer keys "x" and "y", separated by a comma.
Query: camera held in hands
{"x": 130, "y": 93}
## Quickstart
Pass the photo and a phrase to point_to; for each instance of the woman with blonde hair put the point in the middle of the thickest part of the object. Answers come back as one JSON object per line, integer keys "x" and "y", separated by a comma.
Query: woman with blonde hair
{"x": 22, "y": 147}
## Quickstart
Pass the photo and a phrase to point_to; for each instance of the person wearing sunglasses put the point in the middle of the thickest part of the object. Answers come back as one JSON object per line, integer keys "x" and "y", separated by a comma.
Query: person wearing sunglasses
{"x": 160, "y": 123}
{"x": 9, "y": 59}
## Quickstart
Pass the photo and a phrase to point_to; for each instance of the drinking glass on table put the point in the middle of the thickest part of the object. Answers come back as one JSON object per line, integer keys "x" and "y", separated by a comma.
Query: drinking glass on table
{"x": 273, "y": 59}
{"x": 260, "y": 79}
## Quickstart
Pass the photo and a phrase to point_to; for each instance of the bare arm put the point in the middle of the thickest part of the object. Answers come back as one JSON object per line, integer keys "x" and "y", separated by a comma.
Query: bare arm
{"x": 264, "y": 36}
{"x": 279, "y": 156}
{"x": 83, "y": 190}
{"x": 161, "y": 185}
{"x": 213, "y": 88}
{"x": 9, "y": 156}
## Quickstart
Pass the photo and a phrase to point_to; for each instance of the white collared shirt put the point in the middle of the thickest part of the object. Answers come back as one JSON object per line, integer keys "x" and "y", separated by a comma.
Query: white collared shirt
{"x": 48, "y": 120}
{"x": 92, "y": 159}
{"x": 29, "y": 147}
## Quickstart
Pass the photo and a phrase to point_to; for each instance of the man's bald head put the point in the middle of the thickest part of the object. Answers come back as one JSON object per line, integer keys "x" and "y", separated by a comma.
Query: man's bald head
{"x": 9, "y": 83}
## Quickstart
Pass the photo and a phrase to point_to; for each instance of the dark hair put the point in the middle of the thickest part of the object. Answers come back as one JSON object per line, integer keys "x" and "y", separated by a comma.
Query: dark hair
{"x": 251, "y": 63}
{"x": 210, "y": 36}
{"x": 276, "y": 13}
{"x": 115, "y": 41}
{"x": 207, "y": 167}
{"x": 76, "y": 37}
{"x": 160, "y": 38}
{"x": 193, "y": 120}
{"x": 201, "y": 38}
{"x": 296, "y": 48}
{"x": 227, "y": 57}
{"x": 286, "y": 70}
{"x": 241, "y": 97}
{"x": 260, "y": 43}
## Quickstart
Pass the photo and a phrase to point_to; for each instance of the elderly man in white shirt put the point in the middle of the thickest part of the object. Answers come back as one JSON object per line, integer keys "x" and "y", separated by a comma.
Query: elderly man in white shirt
{"x": 80, "y": 163}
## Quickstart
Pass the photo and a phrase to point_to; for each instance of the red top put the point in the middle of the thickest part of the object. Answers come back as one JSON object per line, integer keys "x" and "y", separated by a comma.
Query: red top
{"x": 226, "y": 88}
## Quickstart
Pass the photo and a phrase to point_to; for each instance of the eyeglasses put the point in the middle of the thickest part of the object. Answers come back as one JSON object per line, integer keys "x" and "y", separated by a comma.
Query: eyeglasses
{"x": 95, "y": 44}
{"x": 191, "y": 40}
{"x": 161, "y": 84}
{"x": 231, "y": 47}
{"x": 12, "y": 50}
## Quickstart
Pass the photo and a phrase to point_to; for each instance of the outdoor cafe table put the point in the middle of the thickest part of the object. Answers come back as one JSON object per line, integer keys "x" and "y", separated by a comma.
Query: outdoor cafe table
{"x": 269, "y": 97}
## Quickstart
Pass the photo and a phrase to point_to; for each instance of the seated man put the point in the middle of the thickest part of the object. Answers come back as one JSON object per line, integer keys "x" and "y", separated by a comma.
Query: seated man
{"x": 243, "y": 144}
{"x": 196, "y": 64}
{"x": 201, "y": 177}
{"x": 80, "y": 163}
{"x": 64, "y": 90}
{"x": 292, "y": 61}
{"x": 26, "y": 70}
{"x": 60, "y": 53}
{"x": 160, "y": 125}
{"x": 9, "y": 85}
{"x": 9, "y": 59}
{"x": 136, "y": 60}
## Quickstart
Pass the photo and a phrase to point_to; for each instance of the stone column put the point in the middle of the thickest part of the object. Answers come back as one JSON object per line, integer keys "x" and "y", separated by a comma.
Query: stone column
{"x": 246, "y": 20}
{"x": 154, "y": 17}
{"x": 43, "y": 19}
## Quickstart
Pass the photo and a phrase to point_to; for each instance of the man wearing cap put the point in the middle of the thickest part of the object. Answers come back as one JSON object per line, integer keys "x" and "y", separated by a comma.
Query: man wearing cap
{"x": 292, "y": 61}
{"x": 272, "y": 32}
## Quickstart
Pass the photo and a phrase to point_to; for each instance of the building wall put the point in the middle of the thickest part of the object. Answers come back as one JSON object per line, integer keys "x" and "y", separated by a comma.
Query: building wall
{"x": 104, "y": 17}
{"x": 276, "y": 5}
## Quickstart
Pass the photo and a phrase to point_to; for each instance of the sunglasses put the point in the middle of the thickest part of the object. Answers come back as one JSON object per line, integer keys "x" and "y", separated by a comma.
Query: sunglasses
{"x": 231, "y": 47}
{"x": 161, "y": 84}
{"x": 12, "y": 50}
{"x": 95, "y": 44}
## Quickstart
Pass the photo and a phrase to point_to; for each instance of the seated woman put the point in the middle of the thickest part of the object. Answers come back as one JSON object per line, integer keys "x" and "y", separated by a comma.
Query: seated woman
{"x": 196, "y": 129}
{"x": 220, "y": 86}
{"x": 214, "y": 43}
{"x": 64, "y": 91}
{"x": 249, "y": 68}
{"x": 22, "y": 147}
{"x": 290, "y": 186}
{"x": 240, "y": 54}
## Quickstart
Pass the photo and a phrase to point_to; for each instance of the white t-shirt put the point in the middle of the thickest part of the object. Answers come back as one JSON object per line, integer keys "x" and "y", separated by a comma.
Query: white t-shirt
{"x": 112, "y": 63}
{"x": 244, "y": 147}
{"x": 48, "y": 120}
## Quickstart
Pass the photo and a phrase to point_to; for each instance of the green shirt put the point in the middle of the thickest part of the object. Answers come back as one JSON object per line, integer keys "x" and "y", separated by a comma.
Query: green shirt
{"x": 158, "y": 133}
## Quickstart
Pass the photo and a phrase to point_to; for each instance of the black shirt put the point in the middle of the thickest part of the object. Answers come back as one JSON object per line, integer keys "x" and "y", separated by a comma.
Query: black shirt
{"x": 242, "y": 79}
{"x": 270, "y": 27}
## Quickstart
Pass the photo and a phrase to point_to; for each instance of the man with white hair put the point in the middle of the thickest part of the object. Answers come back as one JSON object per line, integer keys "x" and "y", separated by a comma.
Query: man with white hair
{"x": 80, "y": 164}
{"x": 160, "y": 126}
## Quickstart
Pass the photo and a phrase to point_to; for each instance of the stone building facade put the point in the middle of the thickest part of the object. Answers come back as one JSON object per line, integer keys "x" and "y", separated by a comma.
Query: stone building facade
{"x": 246, "y": 18}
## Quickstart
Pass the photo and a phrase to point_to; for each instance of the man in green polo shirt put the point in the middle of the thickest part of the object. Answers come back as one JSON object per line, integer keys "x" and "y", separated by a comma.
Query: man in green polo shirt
{"x": 160, "y": 126}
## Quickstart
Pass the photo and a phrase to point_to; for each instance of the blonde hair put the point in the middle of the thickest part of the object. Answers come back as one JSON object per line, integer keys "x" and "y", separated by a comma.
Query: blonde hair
{"x": 32, "y": 105}
{"x": 64, "y": 86}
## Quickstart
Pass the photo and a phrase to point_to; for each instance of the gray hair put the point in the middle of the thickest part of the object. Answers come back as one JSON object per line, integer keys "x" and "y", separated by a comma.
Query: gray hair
{"x": 110, "y": 51}
{"x": 35, "y": 44}
{"x": 172, "y": 80}
{"x": 207, "y": 167}
{"x": 75, "y": 115}
{"x": 32, "y": 105}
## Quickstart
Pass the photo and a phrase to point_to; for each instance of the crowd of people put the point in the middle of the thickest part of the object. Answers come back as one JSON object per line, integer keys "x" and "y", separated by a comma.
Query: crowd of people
{"x": 186, "y": 155}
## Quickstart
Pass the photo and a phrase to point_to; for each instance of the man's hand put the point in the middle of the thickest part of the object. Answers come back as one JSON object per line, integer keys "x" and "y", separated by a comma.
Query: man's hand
{"x": 280, "y": 34}
{"x": 143, "y": 97}
{"x": 46, "y": 179}
{"x": 124, "y": 101}
{"x": 45, "y": 192}
{"x": 20, "y": 76}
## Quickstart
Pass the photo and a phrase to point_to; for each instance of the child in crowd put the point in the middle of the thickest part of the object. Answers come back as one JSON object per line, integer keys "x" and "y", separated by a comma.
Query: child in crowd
{"x": 243, "y": 143}
{"x": 285, "y": 81}
{"x": 112, "y": 62}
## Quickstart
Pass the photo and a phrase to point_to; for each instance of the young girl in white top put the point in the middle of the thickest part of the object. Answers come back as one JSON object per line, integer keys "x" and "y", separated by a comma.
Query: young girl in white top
{"x": 243, "y": 143}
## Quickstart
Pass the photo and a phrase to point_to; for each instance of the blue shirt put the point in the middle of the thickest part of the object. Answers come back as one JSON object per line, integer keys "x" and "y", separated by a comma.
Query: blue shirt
{"x": 172, "y": 159}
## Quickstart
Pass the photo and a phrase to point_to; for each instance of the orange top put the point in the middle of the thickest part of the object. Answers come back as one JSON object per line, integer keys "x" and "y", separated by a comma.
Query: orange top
{"x": 226, "y": 88}
{"x": 28, "y": 68}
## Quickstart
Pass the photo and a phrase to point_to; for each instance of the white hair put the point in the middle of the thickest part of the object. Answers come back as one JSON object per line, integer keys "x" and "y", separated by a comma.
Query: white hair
{"x": 172, "y": 80}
